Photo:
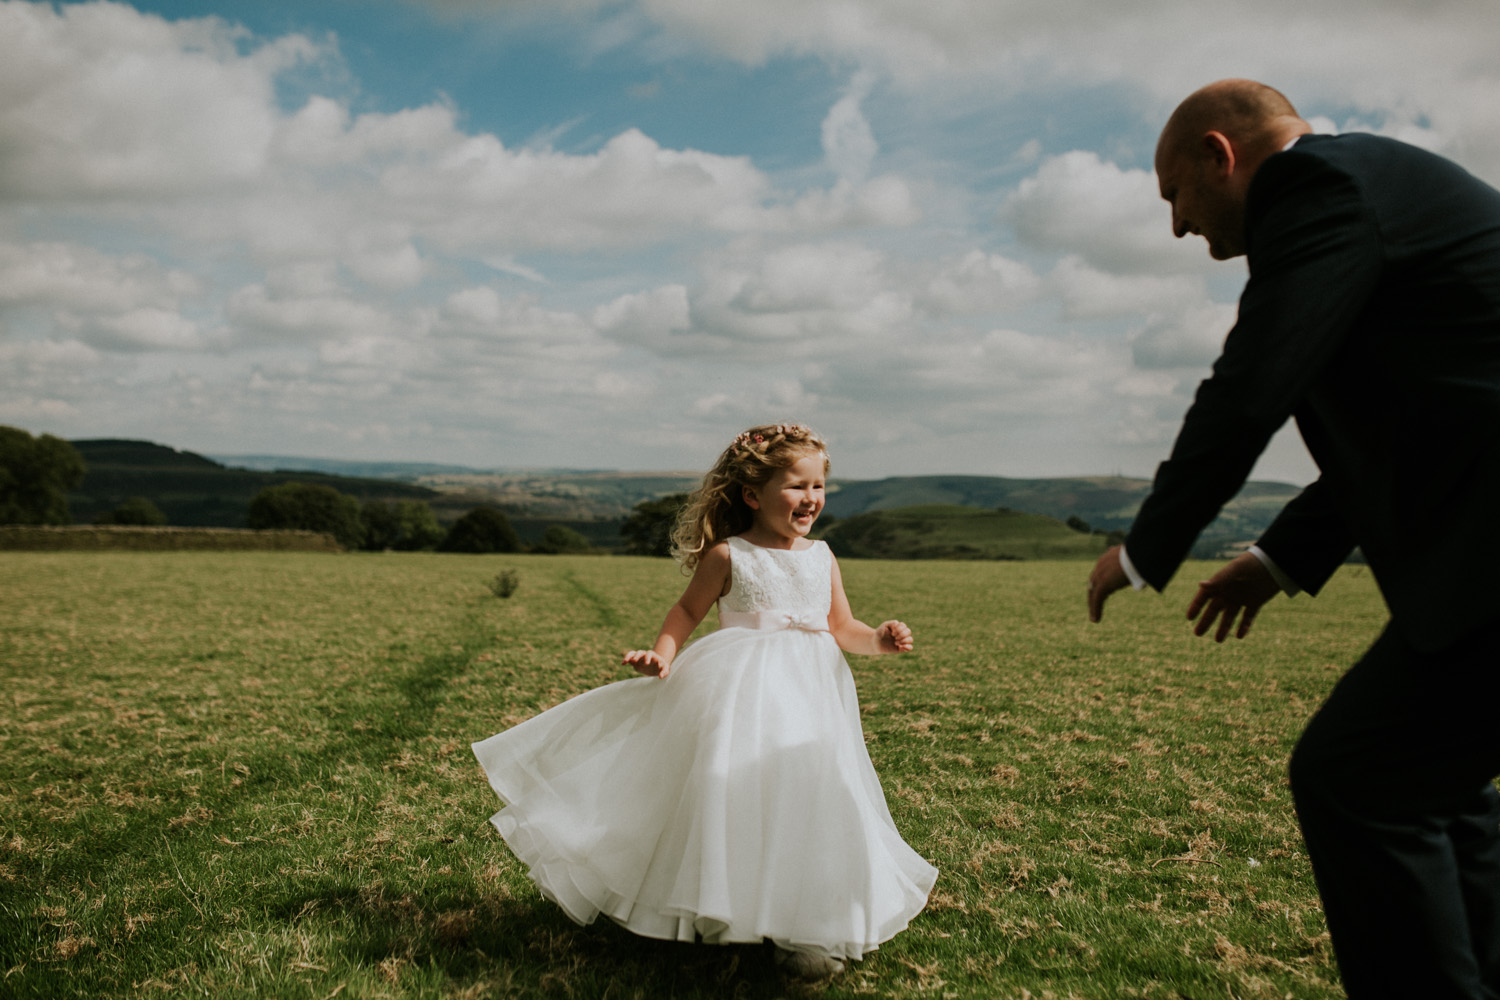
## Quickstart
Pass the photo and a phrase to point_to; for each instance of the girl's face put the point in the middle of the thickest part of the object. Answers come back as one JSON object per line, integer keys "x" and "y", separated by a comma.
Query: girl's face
{"x": 786, "y": 506}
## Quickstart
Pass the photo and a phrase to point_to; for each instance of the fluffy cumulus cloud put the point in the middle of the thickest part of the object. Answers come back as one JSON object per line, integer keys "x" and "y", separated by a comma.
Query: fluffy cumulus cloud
{"x": 102, "y": 102}
{"x": 848, "y": 143}
{"x": 1111, "y": 217}
{"x": 963, "y": 263}
{"x": 80, "y": 278}
{"x": 1401, "y": 61}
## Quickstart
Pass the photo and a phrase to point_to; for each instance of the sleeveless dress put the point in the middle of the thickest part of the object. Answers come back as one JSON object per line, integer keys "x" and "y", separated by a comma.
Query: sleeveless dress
{"x": 733, "y": 801}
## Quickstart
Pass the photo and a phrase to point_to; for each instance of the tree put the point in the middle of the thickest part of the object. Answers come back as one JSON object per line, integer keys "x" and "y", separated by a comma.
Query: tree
{"x": 303, "y": 507}
{"x": 561, "y": 538}
{"x": 648, "y": 531}
{"x": 381, "y": 528}
{"x": 36, "y": 474}
{"x": 136, "y": 511}
{"x": 419, "y": 527}
{"x": 481, "y": 530}
{"x": 406, "y": 525}
{"x": 1079, "y": 524}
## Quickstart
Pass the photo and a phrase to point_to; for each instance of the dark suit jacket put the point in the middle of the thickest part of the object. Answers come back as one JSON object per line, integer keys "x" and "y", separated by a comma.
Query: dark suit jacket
{"x": 1372, "y": 314}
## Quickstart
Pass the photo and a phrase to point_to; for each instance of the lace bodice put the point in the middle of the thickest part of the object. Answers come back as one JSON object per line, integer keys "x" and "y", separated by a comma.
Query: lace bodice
{"x": 761, "y": 579}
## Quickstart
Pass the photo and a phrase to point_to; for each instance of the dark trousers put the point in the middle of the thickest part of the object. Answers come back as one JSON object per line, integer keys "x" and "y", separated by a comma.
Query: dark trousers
{"x": 1393, "y": 781}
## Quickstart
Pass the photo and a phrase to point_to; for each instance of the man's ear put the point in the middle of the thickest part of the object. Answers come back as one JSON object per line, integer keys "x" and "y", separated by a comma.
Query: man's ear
{"x": 752, "y": 499}
{"x": 1220, "y": 152}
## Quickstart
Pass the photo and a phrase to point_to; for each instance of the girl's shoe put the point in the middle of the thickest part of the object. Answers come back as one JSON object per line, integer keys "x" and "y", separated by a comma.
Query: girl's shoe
{"x": 807, "y": 965}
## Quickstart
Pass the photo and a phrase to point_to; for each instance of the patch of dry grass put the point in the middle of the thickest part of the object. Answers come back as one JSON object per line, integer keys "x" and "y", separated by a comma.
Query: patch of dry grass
{"x": 248, "y": 774}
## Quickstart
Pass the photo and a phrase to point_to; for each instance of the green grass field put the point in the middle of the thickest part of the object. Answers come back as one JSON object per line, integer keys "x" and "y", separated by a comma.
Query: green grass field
{"x": 248, "y": 775}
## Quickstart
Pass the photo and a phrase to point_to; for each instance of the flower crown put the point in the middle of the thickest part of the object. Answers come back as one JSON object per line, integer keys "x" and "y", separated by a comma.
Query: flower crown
{"x": 785, "y": 430}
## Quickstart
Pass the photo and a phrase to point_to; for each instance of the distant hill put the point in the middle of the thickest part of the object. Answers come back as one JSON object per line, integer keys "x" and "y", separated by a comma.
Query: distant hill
{"x": 408, "y": 471}
{"x": 195, "y": 491}
{"x": 1104, "y": 503}
{"x": 548, "y": 494}
{"x": 949, "y": 531}
{"x": 565, "y": 494}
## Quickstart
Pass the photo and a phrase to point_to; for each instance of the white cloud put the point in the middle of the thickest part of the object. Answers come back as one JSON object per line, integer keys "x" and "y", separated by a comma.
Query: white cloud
{"x": 83, "y": 279}
{"x": 135, "y": 330}
{"x": 1013, "y": 371}
{"x": 980, "y": 282}
{"x": 848, "y": 143}
{"x": 812, "y": 298}
{"x": 101, "y": 101}
{"x": 194, "y": 234}
{"x": 485, "y": 319}
{"x": 507, "y": 264}
{"x": 884, "y": 201}
{"x": 259, "y": 314}
{"x": 304, "y": 279}
{"x": 1114, "y": 219}
{"x": 1404, "y": 61}
{"x": 649, "y": 317}
{"x": 48, "y": 380}
{"x": 1190, "y": 337}
{"x": 481, "y": 195}
{"x": 1086, "y": 292}
{"x": 391, "y": 267}
{"x": 754, "y": 32}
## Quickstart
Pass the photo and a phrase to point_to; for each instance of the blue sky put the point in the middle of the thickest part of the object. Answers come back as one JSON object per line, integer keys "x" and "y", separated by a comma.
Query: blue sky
{"x": 612, "y": 234}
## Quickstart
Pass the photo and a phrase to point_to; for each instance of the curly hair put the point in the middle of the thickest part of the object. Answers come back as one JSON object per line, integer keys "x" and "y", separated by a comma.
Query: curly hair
{"x": 717, "y": 509}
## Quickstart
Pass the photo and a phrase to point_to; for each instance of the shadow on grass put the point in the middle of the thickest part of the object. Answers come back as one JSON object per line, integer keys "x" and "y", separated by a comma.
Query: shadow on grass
{"x": 500, "y": 946}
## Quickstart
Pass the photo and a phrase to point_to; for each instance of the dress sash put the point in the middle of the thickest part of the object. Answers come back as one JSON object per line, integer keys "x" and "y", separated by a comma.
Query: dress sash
{"x": 772, "y": 620}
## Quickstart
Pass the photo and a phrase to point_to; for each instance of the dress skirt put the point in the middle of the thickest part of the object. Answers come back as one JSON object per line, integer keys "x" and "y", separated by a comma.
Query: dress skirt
{"x": 733, "y": 801}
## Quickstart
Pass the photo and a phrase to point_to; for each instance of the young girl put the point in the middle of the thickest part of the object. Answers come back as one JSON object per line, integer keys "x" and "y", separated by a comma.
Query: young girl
{"x": 727, "y": 795}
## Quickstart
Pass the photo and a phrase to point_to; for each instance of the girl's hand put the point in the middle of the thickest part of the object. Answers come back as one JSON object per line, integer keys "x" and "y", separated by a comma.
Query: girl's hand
{"x": 648, "y": 662}
{"x": 893, "y": 637}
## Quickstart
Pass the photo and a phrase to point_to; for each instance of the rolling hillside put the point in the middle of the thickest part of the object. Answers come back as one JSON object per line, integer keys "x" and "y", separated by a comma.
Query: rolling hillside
{"x": 949, "y": 531}
{"x": 195, "y": 490}
{"x": 1105, "y": 502}
{"x": 548, "y": 494}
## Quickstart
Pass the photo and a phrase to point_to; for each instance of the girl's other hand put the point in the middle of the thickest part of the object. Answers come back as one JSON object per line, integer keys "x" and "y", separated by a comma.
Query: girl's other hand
{"x": 648, "y": 662}
{"x": 893, "y": 637}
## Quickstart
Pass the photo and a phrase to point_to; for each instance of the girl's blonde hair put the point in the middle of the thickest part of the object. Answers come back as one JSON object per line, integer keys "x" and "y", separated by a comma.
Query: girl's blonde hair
{"x": 717, "y": 509}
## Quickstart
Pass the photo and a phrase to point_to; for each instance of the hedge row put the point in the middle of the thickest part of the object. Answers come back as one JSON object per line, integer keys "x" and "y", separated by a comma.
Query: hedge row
{"x": 49, "y": 538}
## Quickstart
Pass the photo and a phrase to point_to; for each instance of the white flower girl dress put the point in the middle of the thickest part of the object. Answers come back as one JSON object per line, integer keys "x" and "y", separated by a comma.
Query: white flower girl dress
{"x": 733, "y": 801}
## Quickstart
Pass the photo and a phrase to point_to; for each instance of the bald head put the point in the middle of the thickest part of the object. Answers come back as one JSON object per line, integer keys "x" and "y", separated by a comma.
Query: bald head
{"x": 1258, "y": 119}
{"x": 1210, "y": 150}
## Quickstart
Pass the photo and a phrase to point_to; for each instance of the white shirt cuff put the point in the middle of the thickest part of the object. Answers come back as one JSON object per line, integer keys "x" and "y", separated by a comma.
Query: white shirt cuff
{"x": 1287, "y": 584}
{"x": 1134, "y": 575}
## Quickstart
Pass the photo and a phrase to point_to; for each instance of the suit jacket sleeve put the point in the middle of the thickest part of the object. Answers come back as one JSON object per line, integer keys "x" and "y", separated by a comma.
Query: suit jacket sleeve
{"x": 1315, "y": 255}
{"x": 1309, "y": 539}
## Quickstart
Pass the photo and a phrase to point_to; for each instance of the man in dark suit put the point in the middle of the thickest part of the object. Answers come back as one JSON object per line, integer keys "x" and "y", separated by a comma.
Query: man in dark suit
{"x": 1372, "y": 315}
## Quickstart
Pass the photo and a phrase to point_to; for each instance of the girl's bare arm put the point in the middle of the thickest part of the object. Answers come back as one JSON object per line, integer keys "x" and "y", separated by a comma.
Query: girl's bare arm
{"x": 854, "y": 636}
{"x": 710, "y": 580}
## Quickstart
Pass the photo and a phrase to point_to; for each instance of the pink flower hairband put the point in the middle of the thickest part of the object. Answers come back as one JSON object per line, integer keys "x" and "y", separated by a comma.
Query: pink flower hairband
{"x": 746, "y": 437}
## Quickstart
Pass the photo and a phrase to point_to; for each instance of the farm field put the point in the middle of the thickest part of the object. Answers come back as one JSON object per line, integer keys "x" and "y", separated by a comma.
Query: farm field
{"x": 247, "y": 774}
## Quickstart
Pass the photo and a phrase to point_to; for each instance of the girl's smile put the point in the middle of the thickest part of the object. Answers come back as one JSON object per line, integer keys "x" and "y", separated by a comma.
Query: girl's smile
{"x": 787, "y": 505}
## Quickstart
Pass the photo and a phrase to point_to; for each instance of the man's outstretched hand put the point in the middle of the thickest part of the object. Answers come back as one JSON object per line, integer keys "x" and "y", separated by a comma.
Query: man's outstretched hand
{"x": 1236, "y": 591}
{"x": 1108, "y": 576}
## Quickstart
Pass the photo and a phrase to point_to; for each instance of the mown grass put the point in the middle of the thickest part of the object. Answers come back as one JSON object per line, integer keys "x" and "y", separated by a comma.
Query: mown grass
{"x": 248, "y": 775}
